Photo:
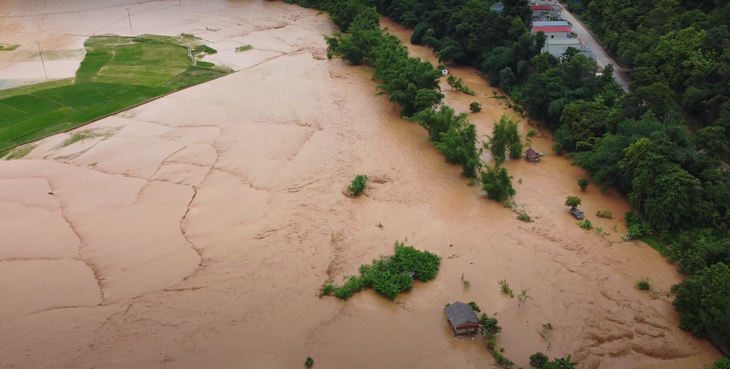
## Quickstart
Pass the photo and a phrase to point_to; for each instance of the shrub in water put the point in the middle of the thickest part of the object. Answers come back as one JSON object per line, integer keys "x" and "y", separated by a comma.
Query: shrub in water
{"x": 538, "y": 360}
{"x": 388, "y": 276}
{"x": 604, "y": 214}
{"x": 585, "y": 224}
{"x": 572, "y": 201}
{"x": 524, "y": 217}
{"x": 644, "y": 284}
{"x": 358, "y": 185}
{"x": 489, "y": 325}
{"x": 506, "y": 288}
{"x": 475, "y": 307}
{"x": 583, "y": 184}
{"x": 475, "y": 107}
{"x": 309, "y": 362}
{"x": 497, "y": 184}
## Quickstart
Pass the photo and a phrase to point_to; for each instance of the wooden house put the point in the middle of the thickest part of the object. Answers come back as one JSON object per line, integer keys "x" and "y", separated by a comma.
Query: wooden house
{"x": 462, "y": 317}
{"x": 532, "y": 155}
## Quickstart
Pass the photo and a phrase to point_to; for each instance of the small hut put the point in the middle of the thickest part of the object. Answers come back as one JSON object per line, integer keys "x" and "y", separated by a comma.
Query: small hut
{"x": 577, "y": 213}
{"x": 462, "y": 317}
{"x": 532, "y": 155}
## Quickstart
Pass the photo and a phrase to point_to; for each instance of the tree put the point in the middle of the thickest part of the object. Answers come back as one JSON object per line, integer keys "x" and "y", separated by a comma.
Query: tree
{"x": 458, "y": 145}
{"x": 489, "y": 325}
{"x": 538, "y": 360}
{"x": 504, "y": 136}
{"x": 712, "y": 139}
{"x": 572, "y": 201}
{"x": 703, "y": 300}
{"x": 497, "y": 184}
{"x": 439, "y": 122}
{"x": 475, "y": 107}
{"x": 583, "y": 183}
{"x": 560, "y": 364}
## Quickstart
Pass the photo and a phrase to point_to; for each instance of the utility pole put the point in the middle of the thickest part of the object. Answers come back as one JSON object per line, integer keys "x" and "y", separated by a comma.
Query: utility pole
{"x": 42, "y": 62}
{"x": 130, "y": 22}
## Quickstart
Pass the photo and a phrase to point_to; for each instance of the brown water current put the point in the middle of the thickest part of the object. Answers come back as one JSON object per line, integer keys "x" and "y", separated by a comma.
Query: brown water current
{"x": 196, "y": 231}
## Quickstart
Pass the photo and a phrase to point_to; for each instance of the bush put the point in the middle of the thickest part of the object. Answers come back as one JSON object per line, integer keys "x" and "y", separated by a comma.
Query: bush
{"x": 524, "y": 217}
{"x": 309, "y": 362}
{"x": 388, "y": 276}
{"x": 572, "y": 201}
{"x": 585, "y": 224}
{"x": 604, "y": 214}
{"x": 538, "y": 360}
{"x": 497, "y": 184}
{"x": 475, "y": 107}
{"x": 204, "y": 49}
{"x": 506, "y": 288}
{"x": 244, "y": 48}
{"x": 504, "y": 136}
{"x": 644, "y": 284}
{"x": 637, "y": 227}
{"x": 328, "y": 289}
{"x": 475, "y": 307}
{"x": 583, "y": 183}
{"x": 458, "y": 145}
{"x": 723, "y": 363}
{"x": 489, "y": 325}
{"x": 358, "y": 185}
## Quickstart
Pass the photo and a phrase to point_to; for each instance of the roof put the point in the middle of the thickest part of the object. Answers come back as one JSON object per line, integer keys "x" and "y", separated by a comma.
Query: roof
{"x": 541, "y": 7}
{"x": 497, "y": 8}
{"x": 550, "y": 23}
{"x": 563, "y": 41}
{"x": 531, "y": 151}
{"x": 577, "y": 213}
{"x": 552, "y": 29}
{"x": 460, "y": 313}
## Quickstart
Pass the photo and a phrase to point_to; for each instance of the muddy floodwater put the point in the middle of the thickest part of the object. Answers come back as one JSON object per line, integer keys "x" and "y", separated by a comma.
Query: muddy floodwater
{"x": 196, "y": 231}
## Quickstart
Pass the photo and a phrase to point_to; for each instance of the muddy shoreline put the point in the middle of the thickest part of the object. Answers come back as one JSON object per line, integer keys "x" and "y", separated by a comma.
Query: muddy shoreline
{"x": 200, "y": 232}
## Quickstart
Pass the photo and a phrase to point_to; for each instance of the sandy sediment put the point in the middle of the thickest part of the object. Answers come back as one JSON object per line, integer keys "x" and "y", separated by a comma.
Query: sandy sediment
{"x": 198, "y": 229}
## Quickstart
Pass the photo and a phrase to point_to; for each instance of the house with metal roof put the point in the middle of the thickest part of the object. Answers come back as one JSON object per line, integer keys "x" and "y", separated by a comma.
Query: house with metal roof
{"x": 561, "y": 23}
{"x": 544, "y": 12}
{"x": 497, "y": 7}
{"x": 462, "y": 318}
{"x": 554, "y": 32}
{"x": 557, "y": 46}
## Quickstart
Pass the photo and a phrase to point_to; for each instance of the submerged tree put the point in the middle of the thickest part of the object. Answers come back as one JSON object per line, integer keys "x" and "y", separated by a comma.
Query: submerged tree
{"x": 497, "y": 183}
{"x": 504, "y": 136}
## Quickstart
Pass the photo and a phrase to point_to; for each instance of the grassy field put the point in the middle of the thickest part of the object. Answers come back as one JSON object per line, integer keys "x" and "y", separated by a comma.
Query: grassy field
{"x": 116, "y": 73}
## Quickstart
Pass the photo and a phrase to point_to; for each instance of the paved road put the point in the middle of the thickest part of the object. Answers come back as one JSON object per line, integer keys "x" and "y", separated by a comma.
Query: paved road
{"x": 601, "y": 55}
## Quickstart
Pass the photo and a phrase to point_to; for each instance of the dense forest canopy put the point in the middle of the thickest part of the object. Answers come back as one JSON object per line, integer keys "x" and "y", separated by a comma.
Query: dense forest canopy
{"x": 684, "y": 44}
{"x": 637, "y": 143}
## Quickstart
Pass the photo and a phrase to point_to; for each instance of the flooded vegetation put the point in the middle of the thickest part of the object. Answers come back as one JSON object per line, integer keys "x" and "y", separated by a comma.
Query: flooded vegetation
{"x": 198, "y": 230}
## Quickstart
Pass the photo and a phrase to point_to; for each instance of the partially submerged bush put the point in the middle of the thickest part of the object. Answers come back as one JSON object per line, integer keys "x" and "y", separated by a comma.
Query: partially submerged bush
{"x": 244, "y": 48}
{"x": 475, "y": 307}
{"x": 489, "y": 325}
{"x": 644, "y": 284}
{"x": 524, "y": 217}
{"x": 538, "y": 360}
{"x": 497, "y": 184}
{"x": 637, "y": 227}
{"x": 389, "y": 276}
{"x": 583, "y": 184}
{"x": 309, "y": 362}
{"x": 475, "y": 107}
{"x": 358, "y": 185}
{"x": 506, "y": 288}
{"x": 572, "y": 201}
{"x": 604, "y": 214}
{"x": 585, "y": 224}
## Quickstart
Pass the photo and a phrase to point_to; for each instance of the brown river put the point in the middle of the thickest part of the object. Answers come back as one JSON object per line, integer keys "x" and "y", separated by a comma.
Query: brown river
{"x": 196, "y": 231}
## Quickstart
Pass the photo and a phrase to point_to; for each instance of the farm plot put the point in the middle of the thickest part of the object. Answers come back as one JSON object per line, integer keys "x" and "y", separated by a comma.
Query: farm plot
{"x": 116, "y": 73}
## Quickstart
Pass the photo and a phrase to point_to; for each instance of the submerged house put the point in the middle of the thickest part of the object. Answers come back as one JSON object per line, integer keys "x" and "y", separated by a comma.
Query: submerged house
{"x": 497, "y": 7}
{"x": 462, "y": 317}
{"x": 532, "y": 155}
{"x": 577, "y": 213}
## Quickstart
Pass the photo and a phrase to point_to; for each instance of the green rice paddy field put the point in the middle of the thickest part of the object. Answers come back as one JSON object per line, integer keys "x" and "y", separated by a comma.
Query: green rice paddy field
{"x": 116, "y": 73}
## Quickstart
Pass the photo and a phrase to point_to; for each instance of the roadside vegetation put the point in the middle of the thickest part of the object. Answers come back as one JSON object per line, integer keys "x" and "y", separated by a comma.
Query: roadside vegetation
{"x": 637, "y": 143}
{"x": 389, "y": 276}
{"x": 142, "y": 68}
